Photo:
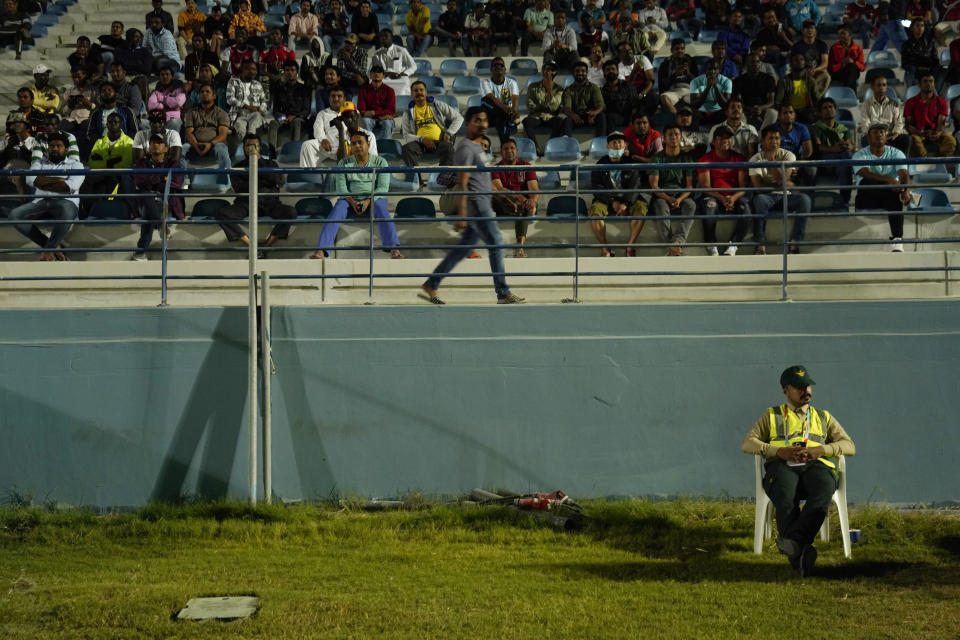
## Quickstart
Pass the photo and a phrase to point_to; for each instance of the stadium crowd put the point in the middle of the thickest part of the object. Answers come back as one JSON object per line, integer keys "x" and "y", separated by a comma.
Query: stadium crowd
{"x": 215, "y": 83}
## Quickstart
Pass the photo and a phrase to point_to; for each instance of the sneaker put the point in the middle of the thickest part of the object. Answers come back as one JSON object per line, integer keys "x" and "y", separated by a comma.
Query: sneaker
{"x": 631, "y": 252}
{"x": 606, "y": 253}
{"x": 712, "y": 251}
{"x": 896, "y": 245}
{"x": 808, "y": 558}
{"x": 511, "y": 299}
{"x": 731, "y": 251}
{"x": 139, "y": 256}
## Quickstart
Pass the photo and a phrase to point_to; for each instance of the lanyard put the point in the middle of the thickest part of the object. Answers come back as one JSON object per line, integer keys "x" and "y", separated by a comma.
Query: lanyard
{"x": 806, "y": 429}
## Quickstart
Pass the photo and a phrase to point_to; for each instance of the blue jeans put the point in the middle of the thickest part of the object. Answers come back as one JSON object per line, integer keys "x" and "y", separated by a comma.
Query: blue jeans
{"x": 767, "y": 205}
{"x": 333, "y": 44}
{"x": 421, "y": 50}
{"x": 382, "y": 129}
{"x": 388, "y": 232}
{"x": 54, "y": 208}
{"x": 488, "y": 231}
{"x": 220, "y": 150}
{"x": 891, "y": 32}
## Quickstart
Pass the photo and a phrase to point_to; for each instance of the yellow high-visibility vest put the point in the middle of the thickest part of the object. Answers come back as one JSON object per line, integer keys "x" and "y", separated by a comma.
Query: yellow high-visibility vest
{"x": 788, "y": 429}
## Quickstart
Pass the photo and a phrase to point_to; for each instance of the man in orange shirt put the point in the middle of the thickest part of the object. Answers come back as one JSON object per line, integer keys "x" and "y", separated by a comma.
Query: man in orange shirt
{"x": 846, "y": 61}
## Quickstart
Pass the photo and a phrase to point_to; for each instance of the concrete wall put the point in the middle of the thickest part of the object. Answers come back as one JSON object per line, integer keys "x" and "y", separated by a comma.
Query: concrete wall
{"x": 118, "y": 407}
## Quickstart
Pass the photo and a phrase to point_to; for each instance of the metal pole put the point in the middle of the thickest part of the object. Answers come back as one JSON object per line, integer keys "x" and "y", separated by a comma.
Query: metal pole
{"x": 786, "y": 197}
{"x": 165, "y": 212}
{"x": 373, "y": 194}
{"x": 252, "y": 388}
{"x": 266, "y": 366}
{"x": 576, "y": 248}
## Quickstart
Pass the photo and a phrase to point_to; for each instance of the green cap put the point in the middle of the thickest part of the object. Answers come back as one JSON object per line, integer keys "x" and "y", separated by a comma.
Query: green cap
{"x": 796, "y": 376}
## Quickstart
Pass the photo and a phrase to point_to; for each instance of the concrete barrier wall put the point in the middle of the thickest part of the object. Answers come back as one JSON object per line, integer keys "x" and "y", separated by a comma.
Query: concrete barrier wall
{"x": 120, "y": 407}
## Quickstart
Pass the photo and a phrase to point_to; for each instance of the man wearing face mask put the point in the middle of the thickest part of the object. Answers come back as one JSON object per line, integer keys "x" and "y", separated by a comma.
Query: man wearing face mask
{"x": 799, "y": 445}
{"x": 622, "y": 202}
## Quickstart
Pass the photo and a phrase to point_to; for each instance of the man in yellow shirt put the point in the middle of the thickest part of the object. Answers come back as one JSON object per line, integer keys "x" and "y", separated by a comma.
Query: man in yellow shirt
{"x": 45, "y": 97}
{"x": 428, "y": 126}
{"x": 418, "y": 24}
{"x": 189, "y": 22}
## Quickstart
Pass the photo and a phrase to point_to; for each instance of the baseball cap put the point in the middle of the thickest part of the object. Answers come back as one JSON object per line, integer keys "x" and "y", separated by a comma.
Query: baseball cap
{"x": 878, "y": 125}
{"x": 616, "y": 135}
{"x": 348, "y": 106}
{"x": 41, "y": 68}
{"x": 352, "y": 38}
{"x": 796, "y": 376}
{"x": 684, "y": 110}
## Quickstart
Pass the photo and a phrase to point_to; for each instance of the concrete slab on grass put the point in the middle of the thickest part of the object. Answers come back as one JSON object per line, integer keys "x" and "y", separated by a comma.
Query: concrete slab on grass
{"x": 219, "y": 608}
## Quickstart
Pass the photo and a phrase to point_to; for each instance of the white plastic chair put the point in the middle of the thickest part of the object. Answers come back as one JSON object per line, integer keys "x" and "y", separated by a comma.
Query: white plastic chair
{"x": 763, "y": 516}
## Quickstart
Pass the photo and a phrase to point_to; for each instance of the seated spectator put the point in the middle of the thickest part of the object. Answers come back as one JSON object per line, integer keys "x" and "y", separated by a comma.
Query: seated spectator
{"x": 201, "y": 56}
{"x": 744, "y": 136}
{"x": 621, "y": 10}
{"x": 815, "y": 54}
{"x": 560, "y": 42}
{"x": 953, "y": 69}
{"x": 428, "y": 126}
{"x": 312, "y": 64}
{"x": 509, "y": 203}
{"x": 128, "y": 94}
{"x": 14, "y": 27}
{"x": 62, "y": 210}
{"x": 861, "y": 18}
{"x": 268, "y": 202}
{"x": 205, "y": 130}
{"x": 653, "y": 20}
{"x": 377, "y": 103}
{"x": 800, "y": 90}
{"x": 335, "y": 24}
{"x": 216, "y": 28}
{"x": 593, "y": 9}
{"x": 505, "y": 27}
{"x": 544, "y": 108}
{"x": 672, "y": 195}
{"x": 136, "y": 58}
{"x": 129, "y": 122}
{"x": 591, "y": 36}
{"x": 715, "y": 13}
{"x": 773, "y": 37}
{"x": 16, "y": 146}
{"x": 291, "y": 106}
{"x": 623, "y": 202}
{"x": 76, "y": 103}
{"x": 162, "y": 47}
{"x": 619, "y": 97}
{"x": 189, "y": 24}
{"x": 880, "y": 108}
{"x": 207, "y": 75}
{"x": 169, "y": 96}
{"x": 419, "y": 36}
{"x": 639, "y": 71}
{"x": 303, "y": 26}
{"x": 846, "y": 60}
{"x": 397, "y": 63}
{"x": 332, "y": 132}
{"x": 51, "y": 127}
{"x": 366, "y": 26}
{"x": 165, "y": 18}
{"x": 355, "y": 190}
{"x": 32, "y": 117}
{"x": 250, "y": 22}
{"x": 87, "y": 59}
{"x": 693, "y": 142}
{"x": 46, "y": 99}
{"x": 241, "y": 51}
{"x": 583, "y": 102}
{"x": 761, "y": 50}
{"x": 833, "y": 141}
{"x": 735, "y": 38}
{"x": 173, "y": 147}
{"x": 478, "y": 33}
{"x": 709, "y": 92}
{"x": 351, "y": 65}
{"x": 643, "y": 142}
{"x": 500, "y": 99}
{"x": 879, "y": 175}
{"x": 683, "y": 13}
{"x": 108, "y": 43}
{"x": 925, "y": 115}
{"x": 248, "y": 101}
{"x": 725, "y": 65}
{"x": 675, "y": 75}
{"x": 795, "y": 138}
{"x": 112, "y": 151}
{"x": 595, "y": 66}
{"x": 919, "y": 55}
{"x": 450, "y": 29}
{"x": 949, "y": 22}
{"x": 151, "y": 188}
{"x": 775, "y": 188}
{"x": 800, "y": 13}
{"x": 537, "y": 19}
{"x": 725, "y": 193}
{"x": 272, "y": 59}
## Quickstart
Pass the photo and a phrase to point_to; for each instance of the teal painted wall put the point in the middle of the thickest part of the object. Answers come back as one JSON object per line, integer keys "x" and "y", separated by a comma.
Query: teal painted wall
{"x": 113, "y": 407}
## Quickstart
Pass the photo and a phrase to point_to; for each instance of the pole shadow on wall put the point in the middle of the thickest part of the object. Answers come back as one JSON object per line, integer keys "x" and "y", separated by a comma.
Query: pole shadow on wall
{"x": 215, "y": 408}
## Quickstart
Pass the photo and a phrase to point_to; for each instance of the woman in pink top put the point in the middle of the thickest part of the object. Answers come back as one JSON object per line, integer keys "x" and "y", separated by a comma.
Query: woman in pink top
{"x": 169, "y": 96}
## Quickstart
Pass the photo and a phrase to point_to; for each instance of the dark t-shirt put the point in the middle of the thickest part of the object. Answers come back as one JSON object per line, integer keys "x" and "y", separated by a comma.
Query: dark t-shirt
{"x": 754, "y": 89}
{"x": 469, "y": 154}
{"x": 370, "y": 24}
{"x": 812, "y": 52}
{"x": 671, "y": 180}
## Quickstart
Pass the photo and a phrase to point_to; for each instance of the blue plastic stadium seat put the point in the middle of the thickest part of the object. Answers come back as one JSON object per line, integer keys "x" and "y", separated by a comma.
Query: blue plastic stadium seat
{"x": 526, "y": 149}
{"x": 912, "y": 91}
{"x": 933, "y": 201}
{"x": 403, "y": 102}
{"x": 108, "y": 209}
{"x": 598, "y": 147}
{"x": 307, "y": 181}
{"x": 846, "y": 117}
{"x": 523, "y": 67}
{"x": 415, "y": 207}
{"x": 448, "y": 100}
{"x": 404, "y": 182}
{"x": 945, "y": 58}
{"x": 707, "y": 35}
{"x": 566, "y": 207}
{"x": 562, "y": 149}
{"x": 482, "y": 68}
{"x": 209, "y": 182}
{"x": 845, "y": 97}
{"x": 314, "y": 207}
{"x": 886, "y": 59}
{"x": 474, "y": 101}
{"x": 929, "y": 173}
{"x": 683, "y": 35}
{"x": 453, "y": 67}
{"x": 952, "y": 92}
{"x": 290, "y": 152}
{"x": 424, "y": 67}
{"x": 828, "y": 202}
{"x": 208, "y": 208}
{"x": 466, "y": 85}
{"x": 434, "y": 84}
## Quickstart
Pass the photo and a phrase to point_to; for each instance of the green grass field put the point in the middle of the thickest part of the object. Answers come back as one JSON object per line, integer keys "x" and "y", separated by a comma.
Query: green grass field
{"x": 677, "y": 569}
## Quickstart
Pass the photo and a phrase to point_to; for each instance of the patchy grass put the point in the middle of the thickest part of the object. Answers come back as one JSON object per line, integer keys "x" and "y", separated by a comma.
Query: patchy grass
{"x": 679, "y": 569}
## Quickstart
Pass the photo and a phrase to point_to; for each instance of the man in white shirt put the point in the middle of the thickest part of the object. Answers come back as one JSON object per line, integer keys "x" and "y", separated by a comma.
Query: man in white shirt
{"x": 745, "y": 136}
{"x": 654, "y": 21}
{"x": 325, "y": 144}
{"x": 398, "y": 65}
{"x": 63, "y": 210}
{"x": 158, "y": 127}
{"x": 501, "y": 99}
{"x": 882, "y": 109}
{"x": 560, "y": 42}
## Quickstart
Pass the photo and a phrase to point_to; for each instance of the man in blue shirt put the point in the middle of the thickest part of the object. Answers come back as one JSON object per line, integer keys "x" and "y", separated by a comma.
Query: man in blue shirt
{"x": 874, "y": 177}
{"x": 709, "y": 92}
{"x": 795, "y": 138}
{"x": 798, "y": 11}
{"x": 735, "y": 38}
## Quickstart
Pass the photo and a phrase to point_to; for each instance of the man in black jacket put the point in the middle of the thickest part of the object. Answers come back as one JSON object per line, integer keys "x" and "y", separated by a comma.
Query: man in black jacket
{"x": 618, "y": 203}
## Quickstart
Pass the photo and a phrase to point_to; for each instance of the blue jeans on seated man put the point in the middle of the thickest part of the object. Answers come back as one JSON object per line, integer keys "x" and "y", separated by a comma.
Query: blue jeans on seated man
{"x": 769, "y": 205}
{"x": 58, "y": 209}
{"x": 388, "y": 231}
{"x": 380, "y": 128}
{"x": 843, "y": 174}
{"x": 220, "y": 151}
{"x": 487, "y": 231}
{"x": 419, "y": 49}
{"x": 710, "y": 208}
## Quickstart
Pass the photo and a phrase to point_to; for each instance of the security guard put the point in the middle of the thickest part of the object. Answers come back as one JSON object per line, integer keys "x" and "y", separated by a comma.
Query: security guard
{"x": 800, "y": 444}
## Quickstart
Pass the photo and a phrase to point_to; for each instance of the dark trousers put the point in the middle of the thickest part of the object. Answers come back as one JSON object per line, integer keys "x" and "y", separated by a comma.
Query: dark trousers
{"x": 268, "y": 209}
{"x": 151, "y": 209}
{"x": 499, "y": 120}
{"x": 559, "y": 126}
{"x": 848, "y": 76}
{"x": 844, "y": 174}
{"x": 617, "y": 121}
{"x": 786, "y": 486}
{"x": 883, "y": 199}
{"x": 413, "y": 151}
{"x": 503, "y": 210}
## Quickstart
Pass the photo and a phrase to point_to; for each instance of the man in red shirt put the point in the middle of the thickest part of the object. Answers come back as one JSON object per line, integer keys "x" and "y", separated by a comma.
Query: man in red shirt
{"x": 509, "y": 202}
{"x": 726, "y": 192}
{"x": 377, "y": 103}
{"x": 271, "y": 60}
{"x": 846, "y": 61}
{"x": 642, "y": 140}
{"x": 925, "y": 115}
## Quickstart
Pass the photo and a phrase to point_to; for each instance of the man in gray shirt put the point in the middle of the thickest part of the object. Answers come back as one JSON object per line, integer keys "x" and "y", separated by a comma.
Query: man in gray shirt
{"x": 479, "y": 203}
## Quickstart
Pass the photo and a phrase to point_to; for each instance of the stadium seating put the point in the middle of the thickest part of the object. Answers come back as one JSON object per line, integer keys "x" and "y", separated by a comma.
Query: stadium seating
{"x": 464, "y": 85}
{"x": 523, "y": 67}
{"x": 290, "y": 152}
{"x": 566, "y": 207}
{"x": 317, "y": 208}
{"x": 885, "y": 59}
{"x": 207, "y": 209}
{"x": 482, "y": 67}
{"x": 933, "y": 201}
{"x": 453, "y": 67}
{"x": 415, "y": 207}
{"x": 598, "y": 147}
{"x": 929, "y": 173}
{"x": 845, "y": 97}
{"x": 424, "y": 67}
{"x": 389, "y": 148}
{"x": 562, "y": 149}
{"x": 526, "y": 149}
{"x": 434, "y": 84}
